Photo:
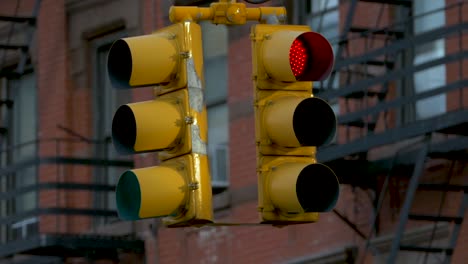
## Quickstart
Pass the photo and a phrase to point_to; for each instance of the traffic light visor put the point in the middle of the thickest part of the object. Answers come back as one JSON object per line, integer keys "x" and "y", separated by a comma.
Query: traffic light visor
{"x": 150, "y": 192}
{"x": 142, "y": 61}
{"x": 147, "y": 126}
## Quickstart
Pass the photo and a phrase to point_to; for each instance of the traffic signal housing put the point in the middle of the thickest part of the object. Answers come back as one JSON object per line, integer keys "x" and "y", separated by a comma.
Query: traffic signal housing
{"x": 173, "y": 124}
{"x": 290, "y": 123}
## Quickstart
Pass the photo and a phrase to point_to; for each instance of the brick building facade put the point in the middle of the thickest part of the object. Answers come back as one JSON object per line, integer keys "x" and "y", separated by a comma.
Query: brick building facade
{"x": 71, "y": 103}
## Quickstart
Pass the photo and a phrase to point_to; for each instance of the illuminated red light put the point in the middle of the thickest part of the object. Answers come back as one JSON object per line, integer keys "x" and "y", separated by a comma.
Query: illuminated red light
{"x": 298, "y": 58}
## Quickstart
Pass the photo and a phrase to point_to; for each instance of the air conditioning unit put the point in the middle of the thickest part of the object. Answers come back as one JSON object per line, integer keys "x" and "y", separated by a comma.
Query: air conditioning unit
{"x": 23, "y": 227}
{"x": 219, "y": 166}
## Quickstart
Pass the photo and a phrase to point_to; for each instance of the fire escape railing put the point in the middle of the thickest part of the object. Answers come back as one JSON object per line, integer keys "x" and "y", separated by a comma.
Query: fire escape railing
{"x": 369, "y": 118}
{"x": 60, "y": 193}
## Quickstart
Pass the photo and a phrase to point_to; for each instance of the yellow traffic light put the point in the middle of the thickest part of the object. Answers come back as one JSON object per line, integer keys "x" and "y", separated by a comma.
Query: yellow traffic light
{"x": 158, "y": 59}
{"x": 134, "y": 129}
{"x": 290, "y": 123}
{"x": 125, "y": 73}
{"x": 175, "y": 189}
{"x": 174, "y": 124}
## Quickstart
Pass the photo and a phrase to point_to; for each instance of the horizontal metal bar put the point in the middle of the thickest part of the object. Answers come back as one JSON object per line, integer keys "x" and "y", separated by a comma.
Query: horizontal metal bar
{"x": 7, "y": 102}
{"x": 381, "y": 31}
{"x": 36, "y": 161}
{"x": 436, "y": 218}
{"x": 63, "y": 244}
{"x": 94, "y": 241}
{"x": 324, "y": 11}
{"x": 380, "y": 107}
{"x": 56, "y": 185}
{"x": 56, "y": 140}
{"x": 91, "y": 161}
{"x": 390, "y": 136}
{"x": 406, "y": 3}
{"x": 18, "y": 19}
{"x": 407, "y": 158}
{"x": 401, "y": 44}
{"x": 13, "y": 46}
{"x": 448, "y": 251}
{"x": 79, "y": 211}
{"x": 395, "y": 74}
{"x": 443, "y": 187}
{"x": 8, "y": 220}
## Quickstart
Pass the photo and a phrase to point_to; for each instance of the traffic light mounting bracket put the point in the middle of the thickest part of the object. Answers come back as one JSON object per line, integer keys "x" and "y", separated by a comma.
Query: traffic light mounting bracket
{"x": 232, "y": 13}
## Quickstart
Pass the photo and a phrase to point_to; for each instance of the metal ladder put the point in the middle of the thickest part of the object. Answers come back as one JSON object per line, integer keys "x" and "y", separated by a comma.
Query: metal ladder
{"x": 6, "y": 103}
{"x": 405, "y": 214}
{"x": 365, "y": 96}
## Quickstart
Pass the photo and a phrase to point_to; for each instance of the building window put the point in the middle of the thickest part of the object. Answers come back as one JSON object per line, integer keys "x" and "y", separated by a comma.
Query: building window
{"x": 25, "y": 132}
{"x": 323, "y": 17}
{"x": 106, "y": 101}
{"x": 215, "y": 46}
{"x": 20, "y": 120}
{"x": 435, "y": 76}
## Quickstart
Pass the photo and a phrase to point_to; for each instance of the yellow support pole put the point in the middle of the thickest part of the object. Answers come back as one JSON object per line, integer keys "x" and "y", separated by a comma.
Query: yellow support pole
{"x": 228, "y": 13}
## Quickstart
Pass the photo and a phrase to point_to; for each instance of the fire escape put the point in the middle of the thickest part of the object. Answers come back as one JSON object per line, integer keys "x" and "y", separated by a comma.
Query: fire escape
{"x": 35, "y": 229}
{"x": 386, "y": 148}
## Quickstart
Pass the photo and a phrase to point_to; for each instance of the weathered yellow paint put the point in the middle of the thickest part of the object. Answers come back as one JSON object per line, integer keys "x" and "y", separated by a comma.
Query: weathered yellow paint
{"x": 191, "y": 69}
{"x": 198, "y": 209}
{"x": 262, "y": 13}
{"x": 179, "y": 14}
{"x": 204, "y": 197}
{"x": 202, "y": 121}
{"x": 282, "y": 187}
{"x": 191, "y": 37}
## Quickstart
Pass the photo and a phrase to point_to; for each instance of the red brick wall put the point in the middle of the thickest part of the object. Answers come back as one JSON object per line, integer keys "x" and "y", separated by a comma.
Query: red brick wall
{"x": 455, "y": 44}
{"x": 62, "y": 103}
{"x": 240, "y": 100}
{"x": 52, "y": 90}
{"x": 260, "y": 244}
{"x": 272, "y": 245}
